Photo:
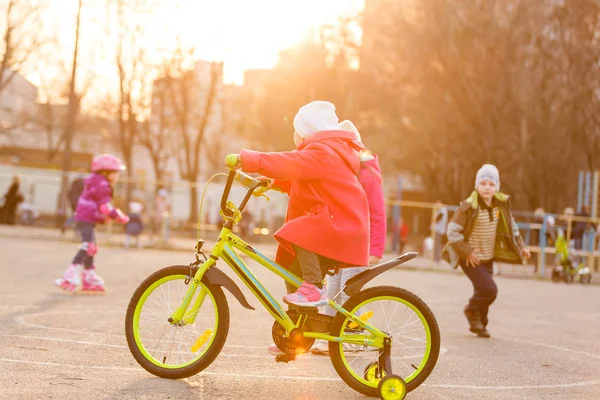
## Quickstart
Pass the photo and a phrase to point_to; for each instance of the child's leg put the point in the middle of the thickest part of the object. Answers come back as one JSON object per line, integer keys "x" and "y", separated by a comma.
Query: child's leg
{"x": 485, "y": 290}
{"x": 311, "y": 293}
{"x": 93, "y": 249}
{"x": 337, "y": 282}
{"x": 295, "y": 269}
{"x": 71, "y": 278}
{"x": 88, "y": 246}
{"x": 334, "y": 284}
{"x": 347, "y": 273}
{"x": 310, "y": 265}
{"x": 92, "y": 282}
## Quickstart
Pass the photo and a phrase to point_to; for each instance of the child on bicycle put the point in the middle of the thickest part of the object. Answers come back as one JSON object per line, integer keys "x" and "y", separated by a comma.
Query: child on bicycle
{"x": 93, "y": 207}
{"x": 482, "y": 231}
{"x": 327, "y": 222}
{"x": 369, "y": 176}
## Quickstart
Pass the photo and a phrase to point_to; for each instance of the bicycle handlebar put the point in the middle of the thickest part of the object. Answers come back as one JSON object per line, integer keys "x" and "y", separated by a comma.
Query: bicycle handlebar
{"x": 245, "y": 180}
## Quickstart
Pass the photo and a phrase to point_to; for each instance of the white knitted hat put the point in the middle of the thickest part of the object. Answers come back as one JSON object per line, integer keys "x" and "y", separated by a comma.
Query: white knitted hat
{"x": 316, "y": 116}
{"x": 347, "y": 125}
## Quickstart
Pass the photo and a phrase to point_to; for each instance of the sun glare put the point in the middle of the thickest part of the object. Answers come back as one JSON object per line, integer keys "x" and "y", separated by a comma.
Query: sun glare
{"x": 244, "y": 34}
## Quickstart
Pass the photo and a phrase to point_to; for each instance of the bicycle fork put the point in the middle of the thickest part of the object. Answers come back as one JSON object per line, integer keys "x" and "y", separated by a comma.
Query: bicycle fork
{"x": 180, "y": 316}
{"x": 384, "y": 363}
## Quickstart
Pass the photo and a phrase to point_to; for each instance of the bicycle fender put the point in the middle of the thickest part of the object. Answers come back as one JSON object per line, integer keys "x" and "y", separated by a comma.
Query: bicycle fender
{"x": 356, "y": 283}
{"x": 214, "y": 276}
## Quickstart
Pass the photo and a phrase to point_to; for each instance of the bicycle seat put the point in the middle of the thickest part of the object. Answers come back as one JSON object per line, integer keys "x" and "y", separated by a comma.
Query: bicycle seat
{"x": 355, "y": 284}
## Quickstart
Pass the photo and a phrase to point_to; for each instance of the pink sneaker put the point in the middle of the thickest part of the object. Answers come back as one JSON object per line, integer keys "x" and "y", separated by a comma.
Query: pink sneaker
{"x": 92, "y": 282}
{"x": 71, "y": 279}
{"x": 307, "y": 295}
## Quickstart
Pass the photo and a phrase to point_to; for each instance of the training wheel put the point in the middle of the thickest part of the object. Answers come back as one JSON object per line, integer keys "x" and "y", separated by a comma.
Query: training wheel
{"x": 370, "y": 373}
{"x": 392, "y": 387}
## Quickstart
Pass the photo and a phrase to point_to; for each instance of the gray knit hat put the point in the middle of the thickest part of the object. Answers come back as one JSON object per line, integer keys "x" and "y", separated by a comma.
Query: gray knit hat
{"x": 488, "y": 172}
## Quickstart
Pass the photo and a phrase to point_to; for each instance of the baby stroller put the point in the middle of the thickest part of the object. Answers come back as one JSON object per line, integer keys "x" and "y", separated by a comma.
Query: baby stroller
{"x": 568, "y": 267}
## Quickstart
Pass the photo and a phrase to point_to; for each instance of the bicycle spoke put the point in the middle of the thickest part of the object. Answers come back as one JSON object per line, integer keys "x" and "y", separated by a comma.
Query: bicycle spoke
{"x": 174, "y": 347}
{"x": 402, "y": 323}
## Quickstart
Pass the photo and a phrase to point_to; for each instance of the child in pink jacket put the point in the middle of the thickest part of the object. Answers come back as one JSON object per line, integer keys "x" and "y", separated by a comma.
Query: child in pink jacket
{"x": 369, "y": 176}
{"x": 95, "y": 206}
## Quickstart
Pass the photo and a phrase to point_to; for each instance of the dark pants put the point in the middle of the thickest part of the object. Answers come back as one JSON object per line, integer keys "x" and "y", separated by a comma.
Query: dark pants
{"x": 86, "y": 252}
{"x": 309, "y": 266}
{"x": 485, "y": 289}
{"x": 9, "y": 213}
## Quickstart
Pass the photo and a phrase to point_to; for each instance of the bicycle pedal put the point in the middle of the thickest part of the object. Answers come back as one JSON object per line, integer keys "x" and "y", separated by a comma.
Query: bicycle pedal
{"x": 285, "y": 358}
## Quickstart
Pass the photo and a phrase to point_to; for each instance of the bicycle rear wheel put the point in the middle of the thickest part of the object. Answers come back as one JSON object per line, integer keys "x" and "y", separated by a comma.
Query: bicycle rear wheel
{"x": 410, "y": 323}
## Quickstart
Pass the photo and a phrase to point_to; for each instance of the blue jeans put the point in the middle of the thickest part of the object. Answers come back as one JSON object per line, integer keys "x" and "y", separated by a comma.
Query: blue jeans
{"x": 485, "y": 289}
{"x": 86, "y": 252}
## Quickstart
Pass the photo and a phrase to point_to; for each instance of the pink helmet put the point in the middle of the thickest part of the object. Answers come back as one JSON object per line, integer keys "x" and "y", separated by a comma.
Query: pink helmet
{"x": 107, "y": 162}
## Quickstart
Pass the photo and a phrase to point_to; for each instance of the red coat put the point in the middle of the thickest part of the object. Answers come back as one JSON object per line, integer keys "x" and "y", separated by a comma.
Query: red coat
{"x": 369, "y": 177}
{"x": 327, "y": 212}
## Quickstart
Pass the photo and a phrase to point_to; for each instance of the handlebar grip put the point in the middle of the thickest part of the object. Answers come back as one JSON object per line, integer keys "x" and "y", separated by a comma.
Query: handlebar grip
{"x": 231, "y": 160}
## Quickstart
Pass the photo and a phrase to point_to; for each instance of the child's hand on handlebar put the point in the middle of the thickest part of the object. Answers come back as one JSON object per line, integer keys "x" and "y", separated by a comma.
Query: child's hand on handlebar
{"x": 233, "y": 161}
{"x": 267, "y": 184}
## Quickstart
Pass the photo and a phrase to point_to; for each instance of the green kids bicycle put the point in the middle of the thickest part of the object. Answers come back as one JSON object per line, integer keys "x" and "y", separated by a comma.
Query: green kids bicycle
{"x": 384, "y": 341}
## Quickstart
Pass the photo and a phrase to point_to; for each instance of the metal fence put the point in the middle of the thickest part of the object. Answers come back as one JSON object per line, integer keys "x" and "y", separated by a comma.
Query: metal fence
{"x": 41, "y": 190}
{"x": 538, "y": 231}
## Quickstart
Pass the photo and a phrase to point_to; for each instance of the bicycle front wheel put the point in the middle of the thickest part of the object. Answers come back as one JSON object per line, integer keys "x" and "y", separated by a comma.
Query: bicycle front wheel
{"x": 406, "y": 319}
{"x": 180, "y": 350}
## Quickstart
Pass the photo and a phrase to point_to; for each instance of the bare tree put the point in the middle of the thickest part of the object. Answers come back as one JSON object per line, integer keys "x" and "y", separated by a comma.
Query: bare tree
{"x": 194, "y": 102}
{"x": 134, "y": 72}
{"x": 20, "y": 37}
{"x": 50, "y": 115}
{"x": 156, "y": 132}
{"x": 71, "y": 117}
{"x": 21, "y": 41}
{"x": 458, "y": 84}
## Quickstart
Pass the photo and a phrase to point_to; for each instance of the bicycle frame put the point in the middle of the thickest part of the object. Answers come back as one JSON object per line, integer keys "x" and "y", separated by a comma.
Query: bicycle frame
{"x": 225, "y": 248}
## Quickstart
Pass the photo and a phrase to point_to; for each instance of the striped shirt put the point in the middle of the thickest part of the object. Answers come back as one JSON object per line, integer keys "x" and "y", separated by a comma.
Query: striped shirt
{"x": 483, "y": 235}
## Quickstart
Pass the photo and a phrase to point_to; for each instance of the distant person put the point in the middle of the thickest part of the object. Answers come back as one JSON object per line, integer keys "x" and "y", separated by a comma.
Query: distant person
{"x": 439, "y": 230}
{"x": 403, "y": 231}
{"x": 94, "y": 207}
{"x": 581, "y": 227}
{"x": 12, "y": 198}
{"x": 135, "y": 226}
{"x": 27, "y": 213}
{"x": 482, "y": 231}
{"x": 73, "y": 194}
{"x": 75, "y": 191}
{"x": 162, "y": 209}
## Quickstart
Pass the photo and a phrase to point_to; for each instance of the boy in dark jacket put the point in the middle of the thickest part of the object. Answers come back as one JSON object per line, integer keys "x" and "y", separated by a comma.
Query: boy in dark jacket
{"x": 483, "y": 231}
